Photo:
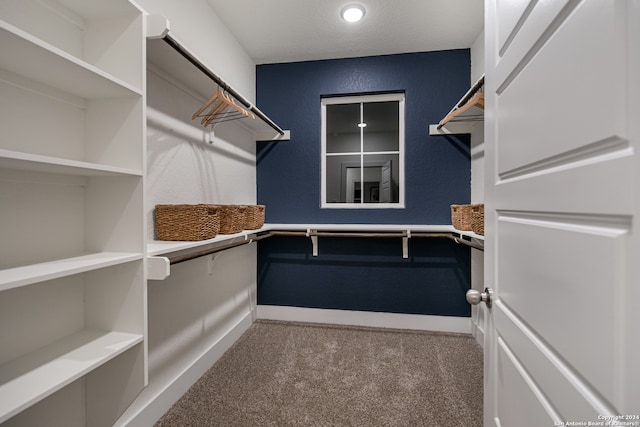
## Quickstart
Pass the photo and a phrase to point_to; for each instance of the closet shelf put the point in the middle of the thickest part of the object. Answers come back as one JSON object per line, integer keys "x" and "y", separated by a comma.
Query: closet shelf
{"x": 161, "y": 254}
{"x": 174, "y": 59}
{"x": 37, "y": 163}
{"x": 30, "y": 378}
{"x": 35, "y": 273}
{"x": 468, "y": 111}
{"x": 165, "y": 247}
{"x": 44, "y": 63}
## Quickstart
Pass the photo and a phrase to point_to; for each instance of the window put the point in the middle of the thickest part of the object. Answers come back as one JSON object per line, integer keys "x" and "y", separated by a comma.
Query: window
{"x": 363, "y": 151}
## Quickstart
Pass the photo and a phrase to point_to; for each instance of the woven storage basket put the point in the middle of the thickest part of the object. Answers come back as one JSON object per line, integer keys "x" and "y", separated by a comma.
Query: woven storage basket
{"x": 186, "y": 222}
{"x": 477, "y": 218}
{"x": 231, "y": 218}
{"x": 253, "y": 217}
{"x": 461, "y": 217}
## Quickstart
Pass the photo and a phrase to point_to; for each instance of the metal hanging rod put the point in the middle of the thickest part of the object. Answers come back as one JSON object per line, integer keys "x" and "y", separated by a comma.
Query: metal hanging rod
{"x": 339, "y": 234}
{"x": 221, "y": 83}
{"x": 177, "y": 259}
{"x": 466, "y": 242}
{"x": 314, "y": 235}
{"x": 405, "y": 235}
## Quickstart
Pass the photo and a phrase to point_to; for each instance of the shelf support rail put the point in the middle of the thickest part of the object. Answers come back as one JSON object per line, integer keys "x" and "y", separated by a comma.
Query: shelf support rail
{"x": 313, "y": 234}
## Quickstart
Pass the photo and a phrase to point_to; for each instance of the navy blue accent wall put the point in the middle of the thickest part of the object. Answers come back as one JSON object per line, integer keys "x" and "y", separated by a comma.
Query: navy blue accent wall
{"x": 437, "y": 168}
{"x": 366, "y": 275}
{"x": 358, "y": 274}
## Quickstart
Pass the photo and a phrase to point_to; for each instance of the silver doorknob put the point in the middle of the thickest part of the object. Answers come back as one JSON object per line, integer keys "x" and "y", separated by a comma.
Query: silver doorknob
{"x": 476, "y": 297}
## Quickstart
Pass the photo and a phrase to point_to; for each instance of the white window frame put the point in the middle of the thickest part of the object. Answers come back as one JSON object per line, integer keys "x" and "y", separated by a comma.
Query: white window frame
{"x": 361, "y": 99}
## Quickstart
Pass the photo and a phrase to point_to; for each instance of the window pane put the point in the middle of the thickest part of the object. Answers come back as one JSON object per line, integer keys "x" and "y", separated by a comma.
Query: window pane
{"x": 382, "y": 130}
{"x": 381, "y": 178}
{"x": 343, "y": 172}
{"x": 343, "y": 133}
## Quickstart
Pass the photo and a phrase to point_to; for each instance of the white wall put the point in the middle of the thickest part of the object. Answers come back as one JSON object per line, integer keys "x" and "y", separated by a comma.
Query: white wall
{"x": 477, "y": 58}
{"x": 477, "y": 189}
{"x": 187, "y": 163}
{"x": 196, "y": 25}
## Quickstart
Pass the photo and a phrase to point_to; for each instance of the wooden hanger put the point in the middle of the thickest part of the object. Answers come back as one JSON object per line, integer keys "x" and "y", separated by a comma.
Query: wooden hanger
{"x": 216, "y": 109}
{"x": 218, "y": 103}
{"x": 476, "y": 100}
{"x": 206, "y": 104}
{"x": 232, "y": 104}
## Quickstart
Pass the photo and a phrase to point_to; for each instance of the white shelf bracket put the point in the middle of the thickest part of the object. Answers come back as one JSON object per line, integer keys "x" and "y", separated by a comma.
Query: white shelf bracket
{"x": 452, "y": 128}
{"x": 157, "y": 26}
{"x": 268, "y": 135}
{"x": 212, "y": 261}
{"x": 405, "y": 244}
{"x": 158, "y": 268}
{"x": 314, "y": 241}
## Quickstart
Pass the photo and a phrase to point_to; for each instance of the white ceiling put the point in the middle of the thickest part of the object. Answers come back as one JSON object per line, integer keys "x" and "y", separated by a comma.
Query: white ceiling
{"x": 273, "y": 31}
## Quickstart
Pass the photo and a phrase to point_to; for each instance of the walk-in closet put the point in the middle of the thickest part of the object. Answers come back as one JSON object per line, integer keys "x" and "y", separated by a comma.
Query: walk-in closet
{"x": 319, "y": 213}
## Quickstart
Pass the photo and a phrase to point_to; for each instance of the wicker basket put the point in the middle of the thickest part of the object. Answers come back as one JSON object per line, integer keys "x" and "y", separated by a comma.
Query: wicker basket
{"x": 461, "y": 217}
{"x": 186, "y": 222}
{"x": 253, "y": 217}
{"x": 231, "y": 218}
{"x": 477, "y": 218}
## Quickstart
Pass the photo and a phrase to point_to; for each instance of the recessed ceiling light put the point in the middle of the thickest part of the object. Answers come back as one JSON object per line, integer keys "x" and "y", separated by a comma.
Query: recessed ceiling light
{"x": 362, "y": 125}
{"x": 352, "y": 12}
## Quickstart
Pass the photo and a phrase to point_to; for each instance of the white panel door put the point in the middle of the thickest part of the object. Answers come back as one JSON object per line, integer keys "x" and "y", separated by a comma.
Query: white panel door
{"x": 562, "y": 248}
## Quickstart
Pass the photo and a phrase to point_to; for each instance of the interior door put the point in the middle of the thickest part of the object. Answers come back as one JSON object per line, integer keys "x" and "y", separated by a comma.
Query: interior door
{"x": 562, "y": 250}
{"x": 385, "y": 183}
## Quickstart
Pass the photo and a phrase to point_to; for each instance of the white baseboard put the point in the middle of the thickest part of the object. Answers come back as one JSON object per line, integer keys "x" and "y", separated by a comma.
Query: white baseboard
{"x": 366, "y": 318}
{"x": 477, "y": 333}
{"x": 156, "y": 399}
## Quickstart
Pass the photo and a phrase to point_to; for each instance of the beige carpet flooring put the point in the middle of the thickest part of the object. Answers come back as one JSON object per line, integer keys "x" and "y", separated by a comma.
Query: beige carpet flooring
{"x": 297, "y": 374}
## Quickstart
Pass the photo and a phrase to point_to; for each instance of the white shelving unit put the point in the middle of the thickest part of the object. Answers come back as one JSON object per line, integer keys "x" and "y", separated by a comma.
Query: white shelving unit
{"x": 72, "y": 288}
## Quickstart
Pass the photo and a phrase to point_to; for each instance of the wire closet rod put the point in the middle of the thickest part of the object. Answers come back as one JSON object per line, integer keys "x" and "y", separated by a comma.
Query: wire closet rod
{"x": 186, "y": 257}
{"x": 206, "y": 71}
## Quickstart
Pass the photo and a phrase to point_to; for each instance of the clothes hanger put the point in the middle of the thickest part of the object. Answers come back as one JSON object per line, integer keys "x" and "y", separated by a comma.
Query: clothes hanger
{"x": 218, "y": 103}
{"x": 211, "y": 100}
{"x": 477, "y": 100}
{"x": 218, "y": 108}
{"x": 226, "y": 102}
{"x": 240, "y": 109}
